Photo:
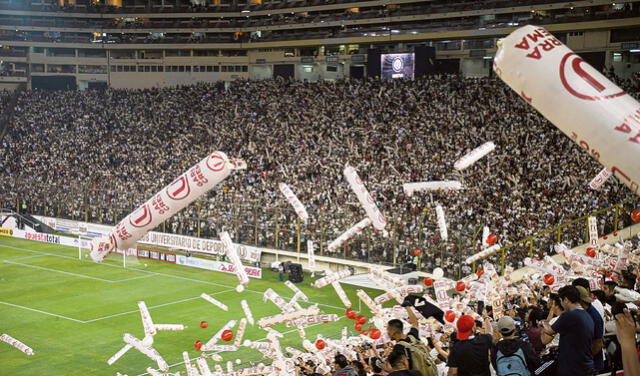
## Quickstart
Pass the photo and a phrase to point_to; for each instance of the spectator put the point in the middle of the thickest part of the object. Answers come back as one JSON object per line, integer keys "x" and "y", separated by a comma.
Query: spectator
{"x": 626, "y": 329}
{"x": 342, "y": 367}
{"x": 598, "y": 320}
{"x": 470, "y": 355}
{"x": 511, "y": 356}
{"x": 575, "y": 357}
{"x": 399, "y": 365}
{"x": 395, "y": 330}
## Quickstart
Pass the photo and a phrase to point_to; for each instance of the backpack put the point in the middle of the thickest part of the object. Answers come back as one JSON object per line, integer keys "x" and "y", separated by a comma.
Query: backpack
{"x": 420, "y": 357}
{"x": 512, "y": 365}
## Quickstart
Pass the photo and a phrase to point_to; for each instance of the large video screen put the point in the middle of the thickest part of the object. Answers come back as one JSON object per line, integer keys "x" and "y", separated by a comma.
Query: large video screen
{"x": 397, "y": 66}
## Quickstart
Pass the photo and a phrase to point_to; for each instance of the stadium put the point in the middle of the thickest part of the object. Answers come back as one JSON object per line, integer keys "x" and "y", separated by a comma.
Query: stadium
{"x": 332, "y": 187}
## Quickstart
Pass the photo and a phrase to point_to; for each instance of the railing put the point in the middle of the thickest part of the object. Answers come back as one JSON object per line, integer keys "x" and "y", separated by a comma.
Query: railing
{"x": 556, "y": 234}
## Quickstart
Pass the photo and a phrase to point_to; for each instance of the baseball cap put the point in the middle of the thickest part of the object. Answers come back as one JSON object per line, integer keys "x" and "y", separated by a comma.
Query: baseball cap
{"x": 506, "y": 325}
{"x": 465, "y": 327}
{"x": 585, "y": 297}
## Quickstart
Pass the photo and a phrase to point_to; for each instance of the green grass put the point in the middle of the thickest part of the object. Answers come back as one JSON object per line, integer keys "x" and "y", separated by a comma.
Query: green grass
{"x": 73, "y": 313}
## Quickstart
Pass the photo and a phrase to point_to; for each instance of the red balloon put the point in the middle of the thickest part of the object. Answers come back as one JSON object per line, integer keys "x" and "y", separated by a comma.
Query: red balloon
{"x": 197, "y": 345}
{"x": 428, "y": 282}
{"x": 350, "y": 313}
{"x": 450, "y": 316}
{"x": 479, "y": 272}
{"x": 203, "y": 324}
{"x": 635, "y": 215}
{"x": 374, "y": 333}
{"x": 549, "y": 279}
{"x": 492, "y": 239}
{"x": 320, "y": 344}
{"x": 591, "y": 252}
{"x": 460, "y": 286}
{"x": 416, "y": 252}
{"x": 361, "y": 320}
{"x": 357, "y": 327}
{"x": 227, "y": 335}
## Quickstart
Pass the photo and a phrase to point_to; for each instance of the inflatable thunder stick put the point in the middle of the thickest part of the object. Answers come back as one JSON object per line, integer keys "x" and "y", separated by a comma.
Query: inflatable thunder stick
{"x": 192, "y": 184}
{"x": 595, "y": 113}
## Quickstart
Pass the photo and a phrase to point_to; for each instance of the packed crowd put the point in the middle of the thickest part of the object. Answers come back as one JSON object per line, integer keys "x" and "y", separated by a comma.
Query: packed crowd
{"x": 96, "y": 155}
{"x": 574, "y": 331}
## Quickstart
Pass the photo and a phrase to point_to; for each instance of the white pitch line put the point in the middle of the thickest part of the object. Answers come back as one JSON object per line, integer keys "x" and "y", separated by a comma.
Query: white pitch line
{"x": 134, "y": 278}
{"x": 24, "y": 257}
{"x": 44, "y": 312}
{"x": 58, "y": 271}
{"x": 155, "y": 306}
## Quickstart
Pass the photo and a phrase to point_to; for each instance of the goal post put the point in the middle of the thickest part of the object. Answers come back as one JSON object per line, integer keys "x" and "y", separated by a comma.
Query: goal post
{"x": 129, "y": 257}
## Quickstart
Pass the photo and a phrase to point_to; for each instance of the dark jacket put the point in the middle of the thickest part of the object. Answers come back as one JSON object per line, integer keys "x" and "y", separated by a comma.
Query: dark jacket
{"x": 510, "y": 346}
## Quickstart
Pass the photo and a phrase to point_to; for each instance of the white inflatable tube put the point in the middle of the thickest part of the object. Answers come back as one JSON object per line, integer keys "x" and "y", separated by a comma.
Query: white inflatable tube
{"x": 17, "y": 344}
{"x": 240, "y": 332}
{"x": 213, "y": 301}
{"x": 332, "y": 277}
{"x": 311, "y": 256}
{"x": 595, "y": 113}
{"x": 247, "y": 311}
{"x": 485, "y": 236}
{"x": 482, "y": 254}
{"x": 600, "y": 179}
{"x": 235, "y": 260}
{"x": 366, "y": 299}
{"x": 192, "y": 184}
{"x": 147, "y": 323}
{"x": 442, "y": 224}
{"x": 216, "y": 337}
{"x": 353, "y": 231}
{"x": 296, "y": 290}
{"x": 410, "y": 188}
{"x": 150, "y": 352}
{"x": 367, "y": 202}
{"x": 276, "y": 299}
{"x": 474, "y": 155}
{"x": 293, "y": 200}
{"x": 592, "y": 224}
{"x": 203, "y": 366}
{"x": 119, "y": 354}
{"x": 544, "y": 267}
{"x": 289, "y": 316}
{"x": 170, "y": 327}
{"x": 315, "y": 319}
{"x": 381, "y": 274}
{"x": 343, "y": 296}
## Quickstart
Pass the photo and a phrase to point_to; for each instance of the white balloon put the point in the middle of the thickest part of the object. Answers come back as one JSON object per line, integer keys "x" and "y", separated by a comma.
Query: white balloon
{"x": 438, "y": 273}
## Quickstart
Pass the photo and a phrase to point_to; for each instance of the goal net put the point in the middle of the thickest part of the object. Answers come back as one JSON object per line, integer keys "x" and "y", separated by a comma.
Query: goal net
{"x": 126, "y": 258}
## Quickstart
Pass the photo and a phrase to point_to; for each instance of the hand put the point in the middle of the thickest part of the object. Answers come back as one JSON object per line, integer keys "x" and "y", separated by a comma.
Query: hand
{"x": 626, "y": 329}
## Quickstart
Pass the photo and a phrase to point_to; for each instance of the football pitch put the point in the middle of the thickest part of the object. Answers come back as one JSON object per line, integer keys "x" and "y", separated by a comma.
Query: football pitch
{"x": 73, "y": 313}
